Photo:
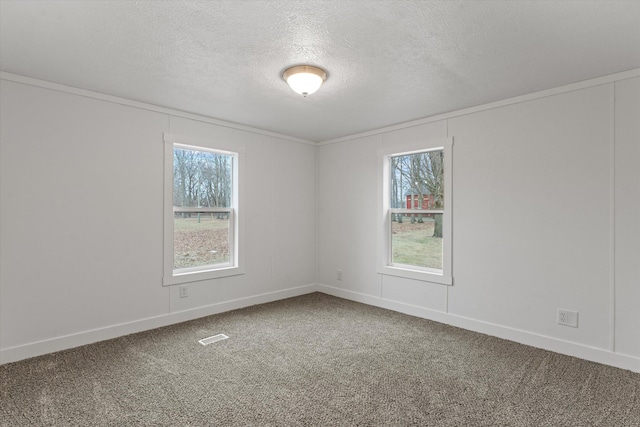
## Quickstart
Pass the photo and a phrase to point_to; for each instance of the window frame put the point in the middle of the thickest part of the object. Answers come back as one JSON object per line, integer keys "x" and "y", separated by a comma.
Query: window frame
{"x": 385, "y": 265}
{"x": 235, "y": 266}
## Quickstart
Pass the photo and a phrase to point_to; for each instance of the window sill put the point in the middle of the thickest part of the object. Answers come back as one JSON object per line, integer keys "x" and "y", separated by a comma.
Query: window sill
{"x": 424, "y": 276}
{"x": 197, "y": 276}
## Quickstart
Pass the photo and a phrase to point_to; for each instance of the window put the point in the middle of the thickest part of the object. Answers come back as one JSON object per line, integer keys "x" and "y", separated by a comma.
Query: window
{"x": 201, "y": 226}
{"x": 415, "y": 231}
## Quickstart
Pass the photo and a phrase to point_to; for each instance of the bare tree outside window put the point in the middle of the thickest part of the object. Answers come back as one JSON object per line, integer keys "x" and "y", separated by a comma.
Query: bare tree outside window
{"x": 201, "y": 179}
{"x": 417, "y": 206}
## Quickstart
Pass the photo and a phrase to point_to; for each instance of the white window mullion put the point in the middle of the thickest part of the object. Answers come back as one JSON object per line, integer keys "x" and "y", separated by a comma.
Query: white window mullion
{"x": 416, "y": 211}
{"x": 178, "y": 209}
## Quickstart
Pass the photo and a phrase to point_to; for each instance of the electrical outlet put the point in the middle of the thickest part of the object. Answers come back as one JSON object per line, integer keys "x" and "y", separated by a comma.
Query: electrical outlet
{"x": 567, "y": 318}
{"x": 184, "y": 292}
{"x": 339, "y": 274}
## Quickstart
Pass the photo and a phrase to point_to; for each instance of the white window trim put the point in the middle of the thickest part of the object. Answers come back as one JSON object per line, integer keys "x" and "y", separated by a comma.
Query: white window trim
{"x": 236, "y": 264}
{"x": 385, "y": 267}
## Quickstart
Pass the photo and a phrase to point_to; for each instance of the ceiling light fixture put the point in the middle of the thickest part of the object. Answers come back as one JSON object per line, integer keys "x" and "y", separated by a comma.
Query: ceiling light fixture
{"x": 304, "y": 79}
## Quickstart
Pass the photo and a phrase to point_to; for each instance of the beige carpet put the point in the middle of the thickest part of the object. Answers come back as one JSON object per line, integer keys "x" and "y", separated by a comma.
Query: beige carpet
{"x": 315, "y": 360}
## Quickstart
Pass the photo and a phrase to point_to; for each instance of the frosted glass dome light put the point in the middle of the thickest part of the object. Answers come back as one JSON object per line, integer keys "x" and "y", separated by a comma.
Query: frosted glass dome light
{"x": 304, "y": 79}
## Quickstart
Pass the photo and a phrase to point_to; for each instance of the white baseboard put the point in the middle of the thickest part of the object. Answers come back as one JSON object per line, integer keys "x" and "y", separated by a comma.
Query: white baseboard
{"x": 523, "y": 337}
{"x": 598, "y": 355}
{"x": 14, "y": 354}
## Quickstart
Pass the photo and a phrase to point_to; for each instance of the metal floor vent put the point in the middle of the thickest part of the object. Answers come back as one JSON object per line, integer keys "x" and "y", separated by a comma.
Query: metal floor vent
{"x": 211, "y": 340}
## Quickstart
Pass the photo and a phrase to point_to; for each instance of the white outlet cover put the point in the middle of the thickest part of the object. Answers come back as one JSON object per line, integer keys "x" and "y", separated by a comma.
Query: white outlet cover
{"x": 567, "y": 318}
{"x": 184, "y": 292}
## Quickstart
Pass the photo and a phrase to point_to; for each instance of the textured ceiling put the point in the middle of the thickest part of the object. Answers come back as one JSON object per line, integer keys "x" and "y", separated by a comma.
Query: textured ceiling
{"x": 388, "y": 61}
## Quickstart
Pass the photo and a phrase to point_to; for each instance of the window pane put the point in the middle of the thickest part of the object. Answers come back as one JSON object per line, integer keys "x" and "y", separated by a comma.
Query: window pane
{"x": 416, "y": 239}
{"x": 200, "y": 239}
{"x": 201, "y": 178}
{"x": 417, "y": 181}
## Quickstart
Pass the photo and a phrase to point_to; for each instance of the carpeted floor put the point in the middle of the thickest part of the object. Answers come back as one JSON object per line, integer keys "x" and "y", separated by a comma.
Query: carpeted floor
{"x": 314, "y": 360}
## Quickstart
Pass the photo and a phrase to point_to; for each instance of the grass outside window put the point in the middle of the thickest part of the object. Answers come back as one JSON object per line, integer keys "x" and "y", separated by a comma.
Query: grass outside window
{"x": 413, "y": 242}
{"x": 200, "y": 239}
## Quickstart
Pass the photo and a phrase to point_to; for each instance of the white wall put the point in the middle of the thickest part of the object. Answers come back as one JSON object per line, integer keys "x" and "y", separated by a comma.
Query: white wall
{"x": 81, "y": 220}
{"x": 539, "y": 200}
{"x": 627, "y": 217}
{"x": 280, "y": 226}
{"x": 546, "y": 215}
